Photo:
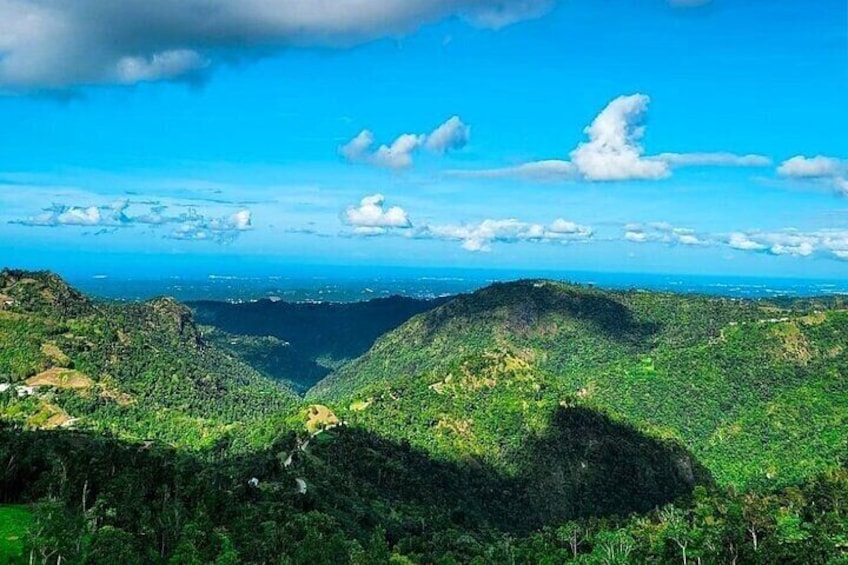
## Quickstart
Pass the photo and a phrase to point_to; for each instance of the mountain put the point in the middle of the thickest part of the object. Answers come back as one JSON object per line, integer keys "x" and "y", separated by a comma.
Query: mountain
{"x": 529, "y": 422}
{"x": 301, "y": 343}
{"x": 757, "y": 390}
{"x": 139, "y": 370}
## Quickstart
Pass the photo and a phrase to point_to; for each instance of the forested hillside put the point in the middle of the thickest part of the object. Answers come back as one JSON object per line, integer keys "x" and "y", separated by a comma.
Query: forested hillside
{"x": 301, "y": 343}
{"x": 140, "y": 371}
{"x": 758, "y": 391}
{"x": 529, "y": 422}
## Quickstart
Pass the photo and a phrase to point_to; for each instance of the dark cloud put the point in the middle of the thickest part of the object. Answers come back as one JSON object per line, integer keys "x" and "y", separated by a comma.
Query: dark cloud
{"x": 56, "y": 45}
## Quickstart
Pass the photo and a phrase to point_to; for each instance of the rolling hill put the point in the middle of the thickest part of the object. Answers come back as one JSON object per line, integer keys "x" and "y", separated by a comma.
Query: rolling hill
{"x": 141, "y": 371}
{"x": 529, "y": 422}
{"x": 758, "y": 391}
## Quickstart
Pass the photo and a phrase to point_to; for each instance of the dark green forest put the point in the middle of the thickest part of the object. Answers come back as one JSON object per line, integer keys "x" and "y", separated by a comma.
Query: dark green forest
{"x": 301, "y": 343}
{"x": 529, "y": 422}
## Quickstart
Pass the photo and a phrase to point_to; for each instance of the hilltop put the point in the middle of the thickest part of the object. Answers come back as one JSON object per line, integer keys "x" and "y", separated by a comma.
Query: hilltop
{"x": 138, "y": 370}
{"x": 528, "y": 422}
{"x": 747, "y": 386}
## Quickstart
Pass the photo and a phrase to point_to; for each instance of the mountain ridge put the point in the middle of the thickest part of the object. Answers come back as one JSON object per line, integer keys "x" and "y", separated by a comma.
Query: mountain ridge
{"x": 686, "y": 368}
{"x": 528, "y": 422}
{"x": 138, "y": 369}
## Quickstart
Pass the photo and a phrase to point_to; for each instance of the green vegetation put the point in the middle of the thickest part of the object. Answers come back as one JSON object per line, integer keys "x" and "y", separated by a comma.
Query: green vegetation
{"x": 14, "y": 524}
{"x": 301, "y": 343}
{"x": 271, "y": 356}
{"x": 372, "y": 501}
{"x": 140, "y": 371}
{"x": 755, "y": 390}
{"x": 530, "y": 422}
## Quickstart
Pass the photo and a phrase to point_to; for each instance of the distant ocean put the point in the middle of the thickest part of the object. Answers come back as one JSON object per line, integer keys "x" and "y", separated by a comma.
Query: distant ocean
{"x": 326, "y": 284}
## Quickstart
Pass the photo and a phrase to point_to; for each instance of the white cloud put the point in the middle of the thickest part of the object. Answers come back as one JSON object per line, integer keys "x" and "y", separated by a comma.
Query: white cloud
{"x": 741, "y": 241}
{"x": 79, "y": 216}
{"x": 826, "y": 243}
{"x": 636, "y": 236}
{"x": 369, "y": 230}
{"x": 398, "y": 155}
{"x": 111, "y": 215}
{"x": 791, "y": 243}
{"x": 684, "y": 238}
{"x": 832, "y": 243}
{"x": 371, "y": 218}
{"x": 167, "y": 65}
{"x": 357, "y": 149}
{"x": 567, "y": 228}
{"x": 371, "y": 214}
{"x": 613, "y": 151}
{"x": 58, "y": 45}
{"x": 480, "y": 236}
{"x": 551, "y": 170}
{"x": 241, "y": 220}
{"x": 829, "y": 170}
{"x": 663, "y": 232}
{"x": 811, "y": 167}
{"x": 718, "y": 159}
{"x": 196, "y": 227}
{"x": 451, "y": 135}
{"x": 189, "y": 225}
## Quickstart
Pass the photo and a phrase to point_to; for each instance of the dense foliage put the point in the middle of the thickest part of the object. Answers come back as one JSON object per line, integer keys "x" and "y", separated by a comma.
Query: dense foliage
{"x": 757, "y": 391}
{"x": 312, "y": 338}
{"x": 530, "y": 422}
{"x": 272, "y": 357}
{"x": 370, "y": 501}
{"x": 139, "y": 370}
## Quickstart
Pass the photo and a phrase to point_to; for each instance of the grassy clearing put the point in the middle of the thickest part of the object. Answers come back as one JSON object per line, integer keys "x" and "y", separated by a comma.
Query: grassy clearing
{"x": 14, "y": 521}
{"x": 60, "y": 378}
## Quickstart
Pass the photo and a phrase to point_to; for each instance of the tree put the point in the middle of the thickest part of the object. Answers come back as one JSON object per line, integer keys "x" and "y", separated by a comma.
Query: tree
{"x": 676, "y": 528}
{"x": 756, "y": 510}
{"x": 573, "y": 534}
{"x": 110, "y": 545}
{"x": 613, "y": 547}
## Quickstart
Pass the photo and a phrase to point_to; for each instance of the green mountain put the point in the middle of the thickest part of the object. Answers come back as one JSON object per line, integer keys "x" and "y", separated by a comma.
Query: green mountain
{"x": 758, "y": 391}
{"x": 301, "y": 343}
{"x": 141, "y": 371}
{"x": 529, "y": 422}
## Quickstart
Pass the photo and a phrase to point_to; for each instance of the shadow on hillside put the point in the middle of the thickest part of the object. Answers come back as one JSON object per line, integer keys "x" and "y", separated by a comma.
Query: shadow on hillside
{"x": 586, "y": 465}
{"x": 520, "y": 306}
{"x": 328, "y": 333}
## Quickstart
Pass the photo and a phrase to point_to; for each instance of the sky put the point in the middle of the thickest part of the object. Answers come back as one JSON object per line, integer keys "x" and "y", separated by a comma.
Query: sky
{"x": 667, "y": 136}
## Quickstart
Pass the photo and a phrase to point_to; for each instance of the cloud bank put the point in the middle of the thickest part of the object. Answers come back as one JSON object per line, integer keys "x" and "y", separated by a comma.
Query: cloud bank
{"x": 480, "y": 236}
{"x": 189, "y": 225}
{"x": 371, "y": 218}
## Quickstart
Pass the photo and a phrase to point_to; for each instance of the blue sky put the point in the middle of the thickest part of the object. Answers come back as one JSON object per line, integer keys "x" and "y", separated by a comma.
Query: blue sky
{"x": 645, "y": 136}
